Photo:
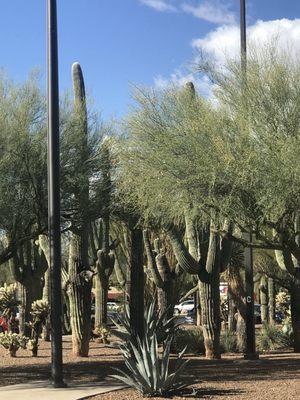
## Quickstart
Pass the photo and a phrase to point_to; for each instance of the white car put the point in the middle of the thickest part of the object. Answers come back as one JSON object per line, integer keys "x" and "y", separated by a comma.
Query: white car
{"x": 112, "y": 306}
{"x": 184, "y": 307}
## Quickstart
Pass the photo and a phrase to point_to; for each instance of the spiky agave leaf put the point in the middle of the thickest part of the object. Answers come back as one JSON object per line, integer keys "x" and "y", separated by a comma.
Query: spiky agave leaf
{"x": 147, "y": 372}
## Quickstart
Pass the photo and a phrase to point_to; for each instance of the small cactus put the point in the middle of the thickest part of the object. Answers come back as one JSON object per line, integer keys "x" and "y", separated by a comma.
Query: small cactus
{"x": 40, "y": 312}
{"x": 12, "y": 342}
{"x": 103, "y": 334}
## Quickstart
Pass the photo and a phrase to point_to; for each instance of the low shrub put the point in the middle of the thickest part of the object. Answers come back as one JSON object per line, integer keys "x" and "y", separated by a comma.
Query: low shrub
{"x": 228, "y": 342}
{"x": 271, "y": 337}
{"x": 191, "y": 338}
{"x": 12, "y": 342}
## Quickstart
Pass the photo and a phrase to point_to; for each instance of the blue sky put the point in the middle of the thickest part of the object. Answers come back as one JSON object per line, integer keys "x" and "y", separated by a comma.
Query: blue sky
{"x": 124, "y": 42}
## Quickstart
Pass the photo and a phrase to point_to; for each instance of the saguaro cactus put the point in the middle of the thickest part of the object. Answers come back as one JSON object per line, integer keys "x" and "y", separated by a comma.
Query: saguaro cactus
{"x": 214, "y": 253}
{"x": 78, "y": 283}
{"x": 263, "y": 288}
{"x": 271, "y": 296}
{"x": 104, "y": 267}
{"x": 78, "y": 280}
{"x": 161, "y": 274}
{"x": 103, "y": 250}
{"x": 43, "y": 242}
{"x": 28, "y": 266}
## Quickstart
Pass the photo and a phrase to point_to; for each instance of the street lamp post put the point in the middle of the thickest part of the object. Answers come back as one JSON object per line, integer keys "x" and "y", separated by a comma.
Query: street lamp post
{"x": 54, "y": 197}
{"x": 250, "y": 351}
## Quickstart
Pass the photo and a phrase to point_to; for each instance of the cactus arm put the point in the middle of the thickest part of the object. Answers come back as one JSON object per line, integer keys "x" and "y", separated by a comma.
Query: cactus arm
{"x": 151, "y": 262}
{"x": 226, "y": 246}
{"x": 64, "y": 278}
{"x": 118, "y": 270}
{"x": 191, "y": 236}
{"x": 78, "y": 87}
{"x": 189, "y": 293}
{"x": 184, "y": 258}
{"x": 92, "y": 243}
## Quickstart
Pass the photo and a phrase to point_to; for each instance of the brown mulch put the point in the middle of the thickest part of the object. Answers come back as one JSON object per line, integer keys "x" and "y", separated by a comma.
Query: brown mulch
{"x": 273, "y": 377}
{"x": 25, "y": 368}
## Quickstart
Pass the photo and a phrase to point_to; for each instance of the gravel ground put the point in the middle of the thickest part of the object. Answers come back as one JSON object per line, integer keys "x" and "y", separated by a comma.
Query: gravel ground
{"x": 273, "y": 377}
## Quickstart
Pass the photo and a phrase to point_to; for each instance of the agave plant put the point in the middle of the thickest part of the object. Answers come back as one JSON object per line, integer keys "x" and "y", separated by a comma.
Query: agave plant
{"x": 147, "y": 372}
{"x": 153, "y": 322}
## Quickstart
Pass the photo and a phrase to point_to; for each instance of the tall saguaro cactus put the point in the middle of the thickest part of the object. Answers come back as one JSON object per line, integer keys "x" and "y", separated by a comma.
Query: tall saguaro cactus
{"x": 103, "y": 250}
{"x": 78, "y": 281}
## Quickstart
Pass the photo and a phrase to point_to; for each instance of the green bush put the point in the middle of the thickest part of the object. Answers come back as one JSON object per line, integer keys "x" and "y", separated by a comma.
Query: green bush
{"x": 12, "y": 342}
{"x": 270, "y": 337}
{"x": 192, "y": 339}
{"x": 228, "y": 342}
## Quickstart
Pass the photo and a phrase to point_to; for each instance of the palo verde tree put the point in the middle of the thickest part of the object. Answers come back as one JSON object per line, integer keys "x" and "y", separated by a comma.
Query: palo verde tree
{"x": 164, "y": 133}
{"x": 259, "y": 172}
{"x": 23, "y": 203}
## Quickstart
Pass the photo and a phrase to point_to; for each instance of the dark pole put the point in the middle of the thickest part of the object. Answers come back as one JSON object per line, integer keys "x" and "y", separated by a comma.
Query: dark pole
{"x": 250, "y": 352}
{"x": 54, "y": 198}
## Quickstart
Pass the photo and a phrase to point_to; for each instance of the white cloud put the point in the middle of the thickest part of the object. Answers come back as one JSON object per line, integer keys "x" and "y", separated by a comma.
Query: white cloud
{"x": 211, "y": 11}
{"x": 159, "y": 5}
{"x": 224, "y": 42}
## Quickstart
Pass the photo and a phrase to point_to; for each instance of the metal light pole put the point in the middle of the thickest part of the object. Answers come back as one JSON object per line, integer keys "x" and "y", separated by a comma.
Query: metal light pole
{"x": 250, "y": 352}
{"x": 54, "y": 197}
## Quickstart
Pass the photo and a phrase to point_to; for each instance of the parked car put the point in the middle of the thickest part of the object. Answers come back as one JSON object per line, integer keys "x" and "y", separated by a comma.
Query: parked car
{"x": 184, "y": 307}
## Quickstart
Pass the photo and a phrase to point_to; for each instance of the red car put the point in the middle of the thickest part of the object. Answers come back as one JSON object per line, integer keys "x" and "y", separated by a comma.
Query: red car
{"x": 3, "y": 324}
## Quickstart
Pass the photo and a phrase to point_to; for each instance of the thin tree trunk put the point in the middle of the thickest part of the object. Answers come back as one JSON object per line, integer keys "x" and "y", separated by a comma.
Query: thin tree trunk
{"x": 271, "y": 295}
{"x": 232, "y": 322}
{"x": 264, "y": 299}
{"x": 241, "y": 332}
{"x": 136, "y": 293}
{"x": 22, "y": 298}
{"x": 295, "y": 312}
